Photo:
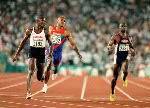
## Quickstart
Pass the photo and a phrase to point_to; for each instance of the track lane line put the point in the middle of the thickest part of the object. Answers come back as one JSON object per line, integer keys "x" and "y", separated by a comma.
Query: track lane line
{"x": 53, "y": 84}
{"x": 14, "y": 85}
{"x": 139, "y": 85}
{"x": 109, "y": 82}
{"x": 84, "y": 87}
{"x": 11, "y": 79}
{"x": 146, "y": 80}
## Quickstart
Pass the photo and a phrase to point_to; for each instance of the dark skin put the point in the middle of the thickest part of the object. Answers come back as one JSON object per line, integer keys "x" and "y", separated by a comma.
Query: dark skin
{"x": 40, "y": 23}
{"x": 59, "y": 26}
{"x": 117, "y": 67}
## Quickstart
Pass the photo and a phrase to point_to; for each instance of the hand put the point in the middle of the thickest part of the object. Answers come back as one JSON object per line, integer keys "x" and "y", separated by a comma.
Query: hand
{"x": 14, "y": 58}
{"x": 80, "y": 56}
{"x": 50, "y": 57}
{"x": 132, "y": 52}
{"x": 109, "y": 48}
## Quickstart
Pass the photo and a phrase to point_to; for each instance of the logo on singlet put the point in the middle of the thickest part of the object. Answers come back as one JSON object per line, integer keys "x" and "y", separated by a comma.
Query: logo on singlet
{"x": 124, "y": 41}
{"x": 37, "y": 41}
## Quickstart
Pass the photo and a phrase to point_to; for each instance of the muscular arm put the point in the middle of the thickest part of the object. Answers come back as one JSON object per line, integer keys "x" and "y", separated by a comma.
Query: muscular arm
{"x": 131, "y": 44}
{"x": 131, "y": 47}
{"x": 70, "y": 39}
{"x": 111, "y": 42}
{"x": 22, "y": 44}
{"x": 50, "y": 43}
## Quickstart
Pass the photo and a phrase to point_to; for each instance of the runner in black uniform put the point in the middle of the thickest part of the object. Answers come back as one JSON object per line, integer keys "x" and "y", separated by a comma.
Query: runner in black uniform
{"x": 123, "y": 51}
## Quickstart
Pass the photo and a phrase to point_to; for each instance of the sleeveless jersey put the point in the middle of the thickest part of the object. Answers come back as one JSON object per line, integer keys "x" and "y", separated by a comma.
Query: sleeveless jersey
{"x": 58, "y": 39}
{"x": 122, "y": 47}
{"x": 38, "y": 40}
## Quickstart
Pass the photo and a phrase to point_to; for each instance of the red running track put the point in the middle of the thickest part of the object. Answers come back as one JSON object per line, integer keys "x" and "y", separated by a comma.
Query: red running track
{"x": 73, "y": 92}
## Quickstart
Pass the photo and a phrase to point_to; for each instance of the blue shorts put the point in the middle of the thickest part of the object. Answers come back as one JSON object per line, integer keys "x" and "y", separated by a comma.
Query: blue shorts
{"x": 119, "y": 60}
{"x": 56, "y": 58}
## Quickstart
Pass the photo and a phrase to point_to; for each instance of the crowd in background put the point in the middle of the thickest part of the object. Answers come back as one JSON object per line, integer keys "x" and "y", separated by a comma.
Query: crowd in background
{"x": 91, "y": 22}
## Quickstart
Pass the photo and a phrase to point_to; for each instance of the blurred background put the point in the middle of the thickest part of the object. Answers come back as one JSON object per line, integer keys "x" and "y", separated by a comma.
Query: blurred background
{"x": 91, "y": 22}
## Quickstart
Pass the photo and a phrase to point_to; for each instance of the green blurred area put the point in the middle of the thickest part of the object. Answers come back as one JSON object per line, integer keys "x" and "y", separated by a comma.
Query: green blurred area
{"x": 6, "y": 66}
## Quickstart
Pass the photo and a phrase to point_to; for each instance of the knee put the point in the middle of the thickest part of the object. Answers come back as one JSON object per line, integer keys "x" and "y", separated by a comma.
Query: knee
{"x": 31, "y": 72}
{"x": 115, "y": 78}
{"x": 125, "y": 70}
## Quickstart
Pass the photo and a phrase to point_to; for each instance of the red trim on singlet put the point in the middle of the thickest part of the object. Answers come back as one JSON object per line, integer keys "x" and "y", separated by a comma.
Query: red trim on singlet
{"x": 56, "y": 64}
{"x": 118, "y": 39}
{"x": 61, "y": 31}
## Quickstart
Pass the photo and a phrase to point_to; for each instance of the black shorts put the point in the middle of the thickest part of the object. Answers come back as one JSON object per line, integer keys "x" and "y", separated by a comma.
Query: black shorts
{"x": 38, "y": 53}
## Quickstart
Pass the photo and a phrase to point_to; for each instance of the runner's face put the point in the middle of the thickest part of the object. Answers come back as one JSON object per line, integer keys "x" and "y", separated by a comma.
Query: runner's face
{"x": 41, "y": 22}
{"x": 61, "y": 21}
{"x": 123, "y": 28}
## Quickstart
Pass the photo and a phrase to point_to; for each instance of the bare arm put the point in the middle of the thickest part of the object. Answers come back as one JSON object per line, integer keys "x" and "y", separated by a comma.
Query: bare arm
{"x": 22, "y": 44}
{"x": 50, "y": 44}
{"x": 131, "y": 47}
{"x": 111, "y": 42}
{"x": 69, "y": 36}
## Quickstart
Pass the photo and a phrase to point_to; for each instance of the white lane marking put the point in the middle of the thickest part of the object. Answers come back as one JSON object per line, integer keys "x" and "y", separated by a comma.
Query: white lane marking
{"x": 14, "y": 85}
{"x": 108, "y": 81}
{"x": 84, "y": 87}
{"x": 145, "y": 80}
{"x": 140, "y": 85}
{"x": 53, "y": 84}
{"x": 11, "y": 79}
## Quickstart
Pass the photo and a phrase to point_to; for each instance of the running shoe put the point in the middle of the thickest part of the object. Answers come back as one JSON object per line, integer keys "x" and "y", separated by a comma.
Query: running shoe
{"x": 112, "y": 97}
{"x": 54, "y": 76}
{"x": 44, "y": 89}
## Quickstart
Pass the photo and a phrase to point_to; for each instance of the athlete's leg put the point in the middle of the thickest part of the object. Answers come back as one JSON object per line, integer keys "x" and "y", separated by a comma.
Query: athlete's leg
{"x": 125, "y": 73}
{"x": 31, "y": 69}
{"x": 40, "y": 70}
{"x": 125, "y": 69}
{"x": 47, "y": 72}
{"x": 115, "y": 76}
{"x": 116, "y": 71}
{"x": 57, "y": 57}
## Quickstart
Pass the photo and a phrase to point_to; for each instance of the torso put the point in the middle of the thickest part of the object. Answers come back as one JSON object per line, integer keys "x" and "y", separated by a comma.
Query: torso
{"x": 122, "y": 45}
{"x": 37, "y": 40}
{"x": 58, "y": 38}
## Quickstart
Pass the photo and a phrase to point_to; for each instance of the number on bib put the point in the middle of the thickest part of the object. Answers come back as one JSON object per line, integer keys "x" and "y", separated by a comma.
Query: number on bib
{"x": 56, "y": 39}
{"x": 37, "y": 44}
{"x": 124, "y": 47}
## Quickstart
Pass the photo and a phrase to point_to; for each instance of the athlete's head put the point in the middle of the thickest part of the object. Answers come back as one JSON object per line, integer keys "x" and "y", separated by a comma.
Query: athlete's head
{"x": 61, "y": 21}
{"x": 123, "y": 27}
{"x": 40, "y": 21}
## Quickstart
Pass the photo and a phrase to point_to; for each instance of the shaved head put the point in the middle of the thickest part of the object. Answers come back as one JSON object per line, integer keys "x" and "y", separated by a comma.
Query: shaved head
{"x": 61, "y": 21}
{"x": 61, "y": 17}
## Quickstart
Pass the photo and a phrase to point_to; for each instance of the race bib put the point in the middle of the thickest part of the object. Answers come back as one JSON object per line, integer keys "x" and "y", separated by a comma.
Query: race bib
{"x": 38, "y": 44}
{"x": 124, "y": 47}
{"x": 56, "y": 39}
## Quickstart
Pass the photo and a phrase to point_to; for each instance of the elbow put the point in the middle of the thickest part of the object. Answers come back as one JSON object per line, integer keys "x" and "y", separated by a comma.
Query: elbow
{"x": 74, "y": 46}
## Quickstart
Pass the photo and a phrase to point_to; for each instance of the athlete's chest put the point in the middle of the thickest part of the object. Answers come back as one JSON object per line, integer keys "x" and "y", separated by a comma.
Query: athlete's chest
{"x": 123, "y": 44}
{"x": 57, "y": 36}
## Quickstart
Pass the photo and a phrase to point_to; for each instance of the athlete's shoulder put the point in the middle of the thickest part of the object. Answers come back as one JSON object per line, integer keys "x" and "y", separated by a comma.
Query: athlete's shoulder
{"x": 51, "y": 27}
{"x": 115, "y": 35}
{"x": 129, "y": 36}
{"x": 29, "y": 30}
{"x": 66, "y": 30}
